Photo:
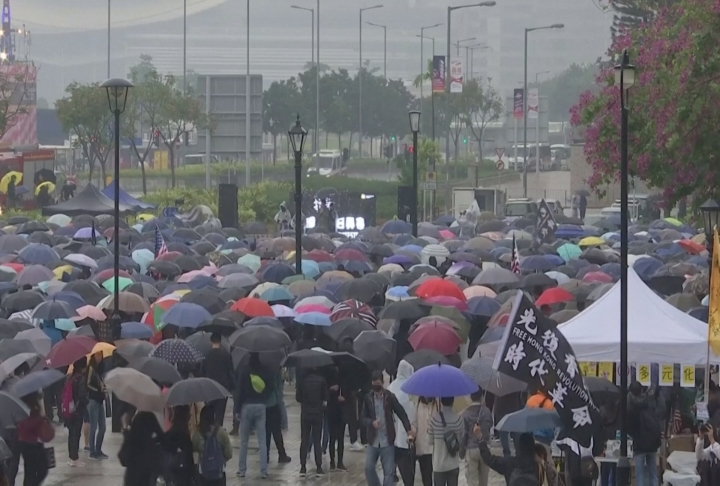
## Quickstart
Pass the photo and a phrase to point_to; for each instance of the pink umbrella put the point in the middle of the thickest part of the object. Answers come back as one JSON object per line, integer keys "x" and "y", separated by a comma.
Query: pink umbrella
{"x": 600, "y": 277}
{"x": 89, "y": 312}
{"x": 447, "y": 301}
{"x": 447, "y": 235}
{"x": 436, "y": 336}
{"x": 186, "y": 277}
{"x": 209, "y": 269}
{"x": 304, "y": 309}
{"x": 479, "y": 291}
{"x": 283, "y": 311}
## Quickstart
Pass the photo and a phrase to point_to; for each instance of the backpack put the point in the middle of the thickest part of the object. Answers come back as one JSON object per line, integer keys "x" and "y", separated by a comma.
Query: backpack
{"x": 452, "y": 442}
{"x": 212, "y": 462}
{"x": 67, "y": 404}
{"x": 523, "y": 478}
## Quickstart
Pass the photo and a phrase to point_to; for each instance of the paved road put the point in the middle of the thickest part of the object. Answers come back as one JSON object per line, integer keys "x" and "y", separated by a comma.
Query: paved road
{"x": 110, "y": 473}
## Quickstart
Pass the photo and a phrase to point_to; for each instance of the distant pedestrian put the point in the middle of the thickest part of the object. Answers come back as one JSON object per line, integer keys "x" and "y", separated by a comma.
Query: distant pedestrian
{"x": 218, "y": 366}
{"x": 447, "y": 430}
{"x": 74, "y": 408}
{"x": 33, "y": 432}
{"x": 254, "y": 387}
{"x": 140, "y": 453}
{"x": 274, "y": 422}
{"x": 645, "y": 414}
{"x": 96, "y": 406}
{"x": 212, "y": 444}
{"x": 312, "y": 395}
{"x": 582, "y": 205}
{"x": 178, "y": 449}
{"x": 477, "y": 472}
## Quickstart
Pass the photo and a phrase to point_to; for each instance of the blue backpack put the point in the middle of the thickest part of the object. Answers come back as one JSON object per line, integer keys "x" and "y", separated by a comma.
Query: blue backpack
{"x": 212, "y": 462}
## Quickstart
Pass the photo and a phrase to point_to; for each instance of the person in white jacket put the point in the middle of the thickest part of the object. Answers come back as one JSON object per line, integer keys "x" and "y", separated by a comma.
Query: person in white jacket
{"x": 404, "y": 460}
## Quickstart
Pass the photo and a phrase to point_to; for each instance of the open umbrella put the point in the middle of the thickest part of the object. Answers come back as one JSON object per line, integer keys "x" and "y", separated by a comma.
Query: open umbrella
{"x": 159, "y": 370}
{"x": 135, "y": 330}
{"x": 36, "y": 381}
{"x": 9, "y": 366}
{"x": 376, "y": 348}
{"x": 12, "y": 410}
{"x": 40, "y": 342}
{"x": 479, "y": 370}
{"x": 53, "y": 309}
{"x": 69, "y": 350}
{"x": 184, "y": 314}
{"x": 425, "y": 357}
{"x": 176, "y": 351}
{"x": 134, "y": 349}
{"x": 258, "y": 339}
{"x": 439, "y": 381}
{"x": 435, "y": 335}
{"x": 307, "y": 358}
{"x": 253, "y": 307}
{"x": 529, "y": 420}
{"x": 195, "y": 390}
{"x": 135, "y": 388}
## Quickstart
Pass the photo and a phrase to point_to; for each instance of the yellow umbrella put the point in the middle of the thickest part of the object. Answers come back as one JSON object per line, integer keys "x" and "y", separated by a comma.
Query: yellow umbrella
{"x": 591, "y": 241}
{"x": 106, "y": 349}
{"x": 6, "y": 180}
{"x": 58, "y": 272}
{"x": 145, "y": 217}
{"x": 674, "y": 221}
{"x": 50, "y": 187}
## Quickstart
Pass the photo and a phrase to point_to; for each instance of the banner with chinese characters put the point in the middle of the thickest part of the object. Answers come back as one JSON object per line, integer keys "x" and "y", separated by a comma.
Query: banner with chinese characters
{"x": 642, "y": 372}
{"x": 456, "y": 76}
{"x": 535, "y": 352}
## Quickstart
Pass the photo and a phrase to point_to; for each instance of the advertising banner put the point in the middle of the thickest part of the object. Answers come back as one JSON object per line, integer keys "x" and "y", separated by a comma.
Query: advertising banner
{"x": 518, "y": 102}
{"x": 438, "y": 79}
{"x": 533, "y": 103}
{"x": 456, "y": 76}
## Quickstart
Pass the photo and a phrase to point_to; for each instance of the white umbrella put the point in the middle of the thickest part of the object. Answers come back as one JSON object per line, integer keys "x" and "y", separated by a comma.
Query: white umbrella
{"x": 135, "y": 388}
{"x": 80, "y": 259}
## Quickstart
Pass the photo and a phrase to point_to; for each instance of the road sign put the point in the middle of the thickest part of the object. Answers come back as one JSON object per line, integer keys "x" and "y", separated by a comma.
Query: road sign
{"x": 430, "y": 181}
{"x": 500, "y": 151}
{"x": 500, "y": 165}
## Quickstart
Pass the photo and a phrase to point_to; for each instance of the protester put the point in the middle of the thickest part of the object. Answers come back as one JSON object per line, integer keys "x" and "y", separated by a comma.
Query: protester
{"x": 336, "y": 422}
{"x": 74, "y": 407}
{"x": 212, "y": 444}
{"x": 645, "y": 414}
{"x": 476, "y": 471}
{"x": 312, "y": 395}
{"x": 404, "y": 457}
{"x": 254, "y": 387}
{"x": 379, "y": 406}
{"x": 520, "y": 469}
{"x": 424, "y": 410}
{"x": 707, "y": 452}
{"x": 33, "y": 432}
{"x": 548, "y": 473}
{"x": 447, "y": 430}
{"x": 503, "y": 405}
{"x": 273, "y": 420}
{"x": 178, "y": 449}
{"x": 96, "y": 407}
{"x": 218, "y": 366}
{"x": 140, "y": 453}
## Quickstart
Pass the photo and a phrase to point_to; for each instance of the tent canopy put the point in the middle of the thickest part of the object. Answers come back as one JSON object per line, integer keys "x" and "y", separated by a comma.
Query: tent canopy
{"x": 126, "y": 198}
{"x": 657, "y": 331}
{"x": 88, "y": 201}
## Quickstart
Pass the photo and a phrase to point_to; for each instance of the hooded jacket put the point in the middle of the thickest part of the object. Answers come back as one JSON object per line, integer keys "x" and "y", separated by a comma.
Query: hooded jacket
{"x": 404, "y": 371}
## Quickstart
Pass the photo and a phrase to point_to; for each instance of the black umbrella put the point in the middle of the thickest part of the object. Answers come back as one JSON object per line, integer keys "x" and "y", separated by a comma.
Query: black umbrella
{"x": 53, "y": 309}
{"x": 89, "y": 291}
{"x": 308, "y": 358}
{"x": 195, "y": 390}
{"x": 12, "y": 347}
{"x": 348, "y": 328}
{"x": 404, "y": 309}
{"x": 168, "y": 269}
{"x": 206, "y": 298}
{"x": 157, "y": 369}
{"x": 425, "y": 357}
{"x": 22, "y": 300}
{"x": 271, "y": 360}
{"x": 354, "y": 372}
{"x": 201, "y": 341}
{"x": 537, "y": 280}
{"x": 12, "y": 410}
{"x": 144, "y": 290}
{"x": 256, "y": 339}
{"x": 264, "y": 321}
{"x": 135, "y": 349}
{"x": 223, "y": 325}
{"x": 362, "y": 290}
{"x": 601, "y": 388}
{"x": 376, "y": 348}
{"x": 36, "y": 381}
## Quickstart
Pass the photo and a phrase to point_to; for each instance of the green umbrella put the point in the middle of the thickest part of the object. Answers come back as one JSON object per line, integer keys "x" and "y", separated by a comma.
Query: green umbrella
{"x": 123, "y": 282}
{"x": 251, "y": 261}
{"x": 294, "y": 278}
{"x": 569, "y": 251}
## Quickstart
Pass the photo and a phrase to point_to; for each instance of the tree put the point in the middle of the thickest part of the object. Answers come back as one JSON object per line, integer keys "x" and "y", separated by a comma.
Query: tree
{"x": 281, "y": 102}
{"x": 564, "y": 89}
{"x": 17, "y": 89}
{"x": 85, "y": 113}
{"x": 673, "y": 111}
{"x": 428, "y": 153}
{"x": 142, "y": 71}
{"x": 337, "y": 109}
{"x": 483, "y": 105}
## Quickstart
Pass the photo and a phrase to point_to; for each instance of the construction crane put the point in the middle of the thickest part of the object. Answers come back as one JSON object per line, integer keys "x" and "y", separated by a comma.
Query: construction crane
{"x": 8, "y": 50}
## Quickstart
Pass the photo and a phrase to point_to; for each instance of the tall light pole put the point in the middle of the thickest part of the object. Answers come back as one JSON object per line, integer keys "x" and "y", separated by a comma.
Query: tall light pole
{"x": 184, "y": 47}
{"x": 457, "y": 44}
{"x": 384, "y": 28}
{"x": 360, "y": 76}
{"x": 108, "y": 40}
{"x": 316, "y": 142}
{"x": 537, "y": 75}
{"x": 415, "y": 128}
{"x": 450, "y": 10}
{"x": 432, "y": 95}
{"x": 525, "y": 100}
{"x": 117, "y": 93}
{"x": 624, "y": 78}
{"x": 423, "y": 63}
{"x": 317, "y": 69}
{"x": 248, "y": 103}
{"x": 297, "y": 135}
{"x": 469, "y": 52}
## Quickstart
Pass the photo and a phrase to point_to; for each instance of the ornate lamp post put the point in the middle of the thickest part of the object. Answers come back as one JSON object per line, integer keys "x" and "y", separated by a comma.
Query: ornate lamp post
{"x": 415, "y": 128}
{"x": 297, "y": 135}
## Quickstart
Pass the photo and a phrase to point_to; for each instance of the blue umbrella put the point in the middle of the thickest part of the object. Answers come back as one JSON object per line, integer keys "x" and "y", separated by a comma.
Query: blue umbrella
{"x": 36, "y": 381}
{"x": 536, "y": 263}
{"x": 86, "y": 233}
{"x": 73, "y": 299}
{"x": 439, "y": 381}
{"x": 612, "y": 269}
{"x": 399, "y": 260}
{"x": 529, "y": 420}
{"x": 400, "y": 292}
{"x": 276, "y": 294}
{"x": 411, "y": 248}
{"x": 310, "y": 268}
{"x": 135, "y": 330}
{"x": 483, "y": 306}
{"x": 568, "y": 231}
{"x": 314, "y": 319}
{"x": 66, "y": 325}
{"x": 646, "y": 267}
{"x": 53, "y": 309}
{"x": 397, "y": 226}
{"x": 38, "y": 254}
{"x": 277, "y": 272}
{"x": 202, "y": 282}
{"x": 185, "y": 314}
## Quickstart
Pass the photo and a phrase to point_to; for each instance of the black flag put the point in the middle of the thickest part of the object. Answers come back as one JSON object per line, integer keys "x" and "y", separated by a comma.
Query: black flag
{"x": 536, "y": 352}
{"x": 546, "y": 226}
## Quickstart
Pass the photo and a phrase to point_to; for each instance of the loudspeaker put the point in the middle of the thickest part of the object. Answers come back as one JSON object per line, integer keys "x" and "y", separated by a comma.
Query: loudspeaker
{"x": 405, "y": 202}
{"x": 228, "y": 205}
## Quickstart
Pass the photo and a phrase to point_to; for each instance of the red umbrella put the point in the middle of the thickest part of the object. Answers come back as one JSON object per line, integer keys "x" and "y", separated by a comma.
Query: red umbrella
{"x": 447, "y": 301}
{"x": 597, "y": 277}
{"x": 436, "y": 336}
{"x": 437, "y": 287}
{"x": 253, "y": 307}
{"x": 691, "y": 247}
{"x": 554, "y": 296}
{"x": 69, "y": 350}
{"x": 350, "y": 254}
{"x": 319, "y": 256}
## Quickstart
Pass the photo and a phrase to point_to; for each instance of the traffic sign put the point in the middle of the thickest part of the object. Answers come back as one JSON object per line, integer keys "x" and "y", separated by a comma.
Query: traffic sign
{"x": 500, "y": 165}
{"x": 500, "y": 151}
{"x": 430, "y": 181}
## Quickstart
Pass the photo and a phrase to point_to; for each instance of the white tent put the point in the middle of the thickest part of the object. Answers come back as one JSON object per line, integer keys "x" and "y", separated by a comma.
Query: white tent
{"x": 657, "y": 331}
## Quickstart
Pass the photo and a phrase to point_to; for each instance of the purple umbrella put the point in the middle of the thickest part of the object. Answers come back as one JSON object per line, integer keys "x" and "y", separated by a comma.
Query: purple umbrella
{"x": 439, "y": 381}
{"x": 399, "y": 259}
{"x": 86, "y": 233}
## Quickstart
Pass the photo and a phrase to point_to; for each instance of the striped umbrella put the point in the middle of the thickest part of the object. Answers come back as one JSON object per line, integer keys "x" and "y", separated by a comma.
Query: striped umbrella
{"x": 353, "y": 309}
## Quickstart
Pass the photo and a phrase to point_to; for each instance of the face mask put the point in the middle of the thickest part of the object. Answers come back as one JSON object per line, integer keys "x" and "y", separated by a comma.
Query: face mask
{"x": 377, "y": 388}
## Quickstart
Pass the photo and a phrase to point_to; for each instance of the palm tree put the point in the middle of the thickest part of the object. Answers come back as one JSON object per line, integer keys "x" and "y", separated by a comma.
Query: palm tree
{"x": 426, "y": 76}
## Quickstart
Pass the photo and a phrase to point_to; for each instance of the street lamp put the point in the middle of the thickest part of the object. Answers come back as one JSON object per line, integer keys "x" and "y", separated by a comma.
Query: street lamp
{"x": 457, "y": 44}
{"x": 711, "y": 219}
{"x": 415, "y": 128}
{"x": 384, "y": 28}
{"x": 625, "y": 78}
{"x": 316, "y": 149}
{"x": 117, "y": 93}
{"x": 423, "y": 63}
{"x": 360, "y": 75}
{"x": 447, "y": 76}
{"x": 538, "y": 74}
{"x": 525, "y": 100}
{"x": 297, "y": 135}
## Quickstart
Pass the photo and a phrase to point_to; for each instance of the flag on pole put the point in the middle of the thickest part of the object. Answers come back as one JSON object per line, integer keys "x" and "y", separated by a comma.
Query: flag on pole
{"x": 93, "y": 237}
{"x": 714, "y": 304}
{"x": 160, "y": 247}
{"x": 515, "y": 263}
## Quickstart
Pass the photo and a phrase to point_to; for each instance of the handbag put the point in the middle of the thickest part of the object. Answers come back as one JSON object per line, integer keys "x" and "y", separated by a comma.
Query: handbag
{"x": 50, "y": 454}
{"x": 108, "y": 406}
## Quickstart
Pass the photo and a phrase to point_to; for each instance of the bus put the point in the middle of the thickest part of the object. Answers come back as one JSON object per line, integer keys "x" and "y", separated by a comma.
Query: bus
{"x": 327, "y": 163}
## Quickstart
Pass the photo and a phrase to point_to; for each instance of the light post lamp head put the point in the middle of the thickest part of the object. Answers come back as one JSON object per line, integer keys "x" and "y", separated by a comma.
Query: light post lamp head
{"x": 625, "y": 73}
{"x": 711, "y": 217}
{"x": 557, "y": 26}
{"x": 414, "y": 121}
{"x": 297, "y": 136}
{"x": 487, "y": 4}
{"x": 117, "y": 92}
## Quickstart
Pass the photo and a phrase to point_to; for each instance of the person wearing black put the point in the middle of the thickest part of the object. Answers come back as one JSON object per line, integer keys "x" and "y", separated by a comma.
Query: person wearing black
{"x": 273, "y": 421}
{"x": 336, "y": 422}
{"x": 140, "y": 453}
{"x": 11, "y": 192}
{"x": 178, "y": 448}
{"x": 218, "y": 366}
{"x": 312, "y": 395}
{"x": 74, "y": 423}
{"x": 522, "y": 465}
{"x": 96, "y": 408}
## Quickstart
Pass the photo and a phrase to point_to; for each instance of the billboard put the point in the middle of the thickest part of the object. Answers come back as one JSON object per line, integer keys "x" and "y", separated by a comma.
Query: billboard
{"x": 438, "y": 74}
{"x": 533, "y": 103}
{"x": 18, "y": 104}
{"x": 456, "y": 76}
{"x": 518, "y": 103}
